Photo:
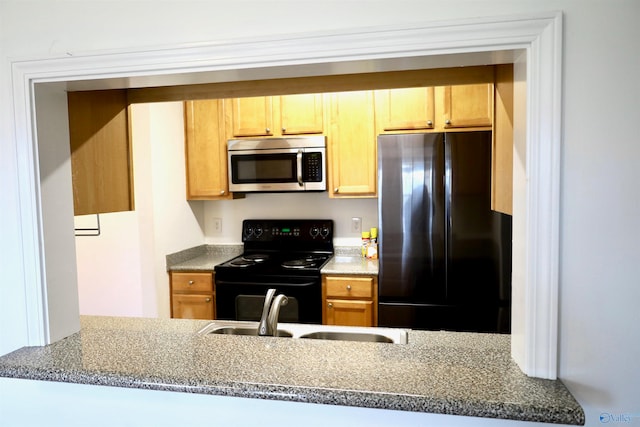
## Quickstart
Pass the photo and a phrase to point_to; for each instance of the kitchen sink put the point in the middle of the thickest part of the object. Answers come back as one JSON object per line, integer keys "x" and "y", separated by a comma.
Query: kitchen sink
{"x": 347, "y": 336}
{"x": 311, "y": 331}
{"x": 231, "y": 330}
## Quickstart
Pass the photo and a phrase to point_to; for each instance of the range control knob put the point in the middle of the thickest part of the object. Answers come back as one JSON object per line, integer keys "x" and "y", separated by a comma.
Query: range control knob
{"x": 314, "y": 231}
{"x": 258, "y": 231}
{"x": 325, "y": 231}
{"x": 248, "y": 231}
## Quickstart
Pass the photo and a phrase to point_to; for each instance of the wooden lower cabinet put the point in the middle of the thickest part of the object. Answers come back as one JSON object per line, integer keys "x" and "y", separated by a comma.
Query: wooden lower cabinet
{"x": 350, "y": 300}
{"x": 192, "y": 295}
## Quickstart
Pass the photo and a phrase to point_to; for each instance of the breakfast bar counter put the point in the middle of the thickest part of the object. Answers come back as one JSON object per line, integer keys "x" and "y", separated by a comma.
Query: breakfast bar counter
{"x": 435, "y": 372}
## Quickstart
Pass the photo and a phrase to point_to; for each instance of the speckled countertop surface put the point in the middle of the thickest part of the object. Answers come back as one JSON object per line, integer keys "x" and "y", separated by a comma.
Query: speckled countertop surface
{"x": 206, "y": 257}
{"x": 437, "y": 372}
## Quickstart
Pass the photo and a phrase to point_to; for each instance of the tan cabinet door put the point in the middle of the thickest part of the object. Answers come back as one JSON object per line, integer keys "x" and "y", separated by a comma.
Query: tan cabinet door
{"x": 101, "y": 162}
{"x": 252, "y": 116}
{"x": 190, "y": 306}
{"x": 468, "y": 106}
{"x": 349, "y": 312}
{"x": 301, "y": 114}
{"x": 405, "y": 109}
{"x": 352, "y": 145}
{"x": 205, "y": 151}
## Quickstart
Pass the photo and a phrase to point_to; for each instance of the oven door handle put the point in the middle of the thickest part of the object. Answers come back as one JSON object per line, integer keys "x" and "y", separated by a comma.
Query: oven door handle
{"x": 299, "y": 164}
{"x": 265, "y": 285}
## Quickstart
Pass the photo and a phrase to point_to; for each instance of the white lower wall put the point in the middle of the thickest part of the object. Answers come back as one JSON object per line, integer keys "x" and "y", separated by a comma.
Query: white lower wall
{"x": 109, "y": 267}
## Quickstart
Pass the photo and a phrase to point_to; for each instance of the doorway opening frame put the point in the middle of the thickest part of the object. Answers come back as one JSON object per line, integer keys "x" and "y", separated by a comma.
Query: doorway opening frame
{"x": 538, "y": 36}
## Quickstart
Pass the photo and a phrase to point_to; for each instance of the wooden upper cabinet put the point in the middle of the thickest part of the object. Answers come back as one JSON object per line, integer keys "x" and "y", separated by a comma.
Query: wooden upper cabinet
{"x": 301, "y": 114}
{"x": 468, "y": 106}
{"x": 251, "y": 116}
{"x": 100, "y": 145}
{"x": 352, "y": 145}
{"x": 410, "y": 109}
{"x": 276, "y": 115}
{"x": 205, "y": 150}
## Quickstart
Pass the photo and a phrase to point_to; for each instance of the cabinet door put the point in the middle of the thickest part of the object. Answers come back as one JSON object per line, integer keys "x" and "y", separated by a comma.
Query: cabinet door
{"x": 468, "y": 106}
{"x": 349, "y": 312}
{"x": 301, "y": 114}
{"x": 192, "y": 306}
{"x": 404, "y": 109}
{"x": 101, "y": 161}
{"x": 205, "y": 151}
{"x": 352, "y": 145}
{"x": 252, "y": 116}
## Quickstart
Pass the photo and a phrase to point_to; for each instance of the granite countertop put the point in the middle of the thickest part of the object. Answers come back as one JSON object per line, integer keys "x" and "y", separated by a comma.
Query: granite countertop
{"x": 202, "y": 258}
{"x": 437, "y": 372}
{"x": 205, "y": 257}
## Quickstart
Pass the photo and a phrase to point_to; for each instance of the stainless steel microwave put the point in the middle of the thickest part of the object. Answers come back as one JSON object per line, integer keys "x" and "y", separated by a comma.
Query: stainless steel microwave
{"x": 277, "y": 164}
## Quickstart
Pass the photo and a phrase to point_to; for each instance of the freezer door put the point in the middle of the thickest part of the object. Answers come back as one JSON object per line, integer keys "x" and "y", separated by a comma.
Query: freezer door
{"x": 411, "y": 215}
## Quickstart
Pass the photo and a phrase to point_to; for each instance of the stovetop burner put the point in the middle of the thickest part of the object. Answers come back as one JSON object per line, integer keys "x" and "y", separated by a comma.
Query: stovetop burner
{"x": 281, "y": 247}
{"x": 248, "y": 260}
{"x": 306, "y": 262}
{"x": 256, "y": 257}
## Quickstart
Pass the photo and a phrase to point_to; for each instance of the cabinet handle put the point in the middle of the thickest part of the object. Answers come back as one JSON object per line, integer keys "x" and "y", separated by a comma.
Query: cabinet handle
{"x": 284, "y": 130}
{"x": 447, "y": 122}
{"x": 267, "y": 130}
{"x": 207, "y": 300}
{"x": 330, "y": 305}
{"x": 429, "y": 123}
{"x": 348, "y": 287}
{"x": 222, "y": 192}
{"x": 335, "y": 190}
{"x": 191, "y": 282}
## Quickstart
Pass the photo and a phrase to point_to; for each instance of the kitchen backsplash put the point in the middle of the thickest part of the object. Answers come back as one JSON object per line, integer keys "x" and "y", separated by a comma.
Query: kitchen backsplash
{"x": 288, "y": 205}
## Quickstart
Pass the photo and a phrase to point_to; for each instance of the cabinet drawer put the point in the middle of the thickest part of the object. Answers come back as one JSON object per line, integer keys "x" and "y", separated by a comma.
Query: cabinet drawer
{"x": 192, "y": 282}
{"x": 349, "y": 287}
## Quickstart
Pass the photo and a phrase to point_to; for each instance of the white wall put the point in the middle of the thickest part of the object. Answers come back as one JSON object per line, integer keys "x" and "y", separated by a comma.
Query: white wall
{"x": 600, "y": 237}
{"x": 285, "y": 205}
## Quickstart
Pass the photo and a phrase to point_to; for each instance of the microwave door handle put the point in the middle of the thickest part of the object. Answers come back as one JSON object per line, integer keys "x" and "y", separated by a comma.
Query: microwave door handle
{"x": 299, "y": 162}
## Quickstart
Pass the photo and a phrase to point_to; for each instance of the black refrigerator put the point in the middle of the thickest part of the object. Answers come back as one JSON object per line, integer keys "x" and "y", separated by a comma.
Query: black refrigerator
{"x": 444, "y": 255}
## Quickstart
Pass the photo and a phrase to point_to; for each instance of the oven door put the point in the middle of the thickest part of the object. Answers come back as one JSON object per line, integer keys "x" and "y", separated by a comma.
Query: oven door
{"x": 244, "y": 300}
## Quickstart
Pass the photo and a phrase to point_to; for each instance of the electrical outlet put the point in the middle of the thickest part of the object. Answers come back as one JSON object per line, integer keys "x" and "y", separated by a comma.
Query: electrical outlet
{"x": 217, "y": 225}
{"x": 356, "y": 225}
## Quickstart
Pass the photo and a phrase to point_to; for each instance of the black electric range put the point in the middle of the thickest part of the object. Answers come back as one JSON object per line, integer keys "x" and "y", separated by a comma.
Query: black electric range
{"x": 284, "y": 254}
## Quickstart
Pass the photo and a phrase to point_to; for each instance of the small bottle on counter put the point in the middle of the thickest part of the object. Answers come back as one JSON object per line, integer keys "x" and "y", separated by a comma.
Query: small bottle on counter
{"x": 372, "y": 248}
{"x": 366, "y": 238}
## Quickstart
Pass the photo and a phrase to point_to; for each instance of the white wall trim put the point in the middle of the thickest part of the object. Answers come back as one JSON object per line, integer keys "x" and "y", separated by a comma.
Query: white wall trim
{"x": 539, "y": 34}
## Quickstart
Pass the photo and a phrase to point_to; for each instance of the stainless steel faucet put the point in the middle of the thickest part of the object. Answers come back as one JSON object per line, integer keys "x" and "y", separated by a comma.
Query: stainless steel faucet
{"x": 268, "y": 325}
